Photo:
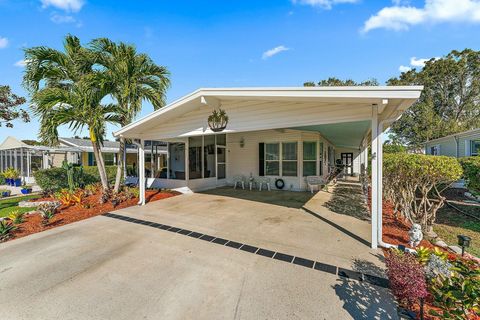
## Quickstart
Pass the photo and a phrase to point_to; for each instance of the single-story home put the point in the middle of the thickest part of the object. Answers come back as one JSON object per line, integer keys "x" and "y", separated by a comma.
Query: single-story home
{"x": 216, "y": 135}
{"x": 463, "y": 144}
{"x": 29, "y": 158}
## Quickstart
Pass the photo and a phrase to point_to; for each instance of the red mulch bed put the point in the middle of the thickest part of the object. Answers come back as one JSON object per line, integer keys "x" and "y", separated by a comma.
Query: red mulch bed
{"x": 33, "y": 223}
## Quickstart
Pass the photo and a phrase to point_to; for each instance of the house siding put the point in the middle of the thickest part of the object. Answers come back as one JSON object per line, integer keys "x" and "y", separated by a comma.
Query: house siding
{"x": 448, "y": 146}
{"x": 245, "y": 160}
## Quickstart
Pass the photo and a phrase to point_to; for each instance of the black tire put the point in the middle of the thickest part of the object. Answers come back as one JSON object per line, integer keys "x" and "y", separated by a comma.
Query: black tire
{"x": 280, "y": 184}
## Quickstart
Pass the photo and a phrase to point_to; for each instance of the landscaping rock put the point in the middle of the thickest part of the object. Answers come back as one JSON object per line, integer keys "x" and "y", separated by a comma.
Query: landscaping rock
{"x": 30, "y": 204}
{"x": 441, "y": 244}
{"x": 455, "y": 249}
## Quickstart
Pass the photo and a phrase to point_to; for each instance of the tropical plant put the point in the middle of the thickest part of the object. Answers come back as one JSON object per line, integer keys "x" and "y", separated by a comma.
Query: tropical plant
{"x": 47, "y": 211}
{"x": 69, "y": 198}
{"x": 458, "y": 295}
{"x": 66, "y": 89}
{"x": 6, "y": 229}
{"x": 134, "y": 78}
{"x": 9, "y": 107}
{"x": 16, "y": 216}
{"x": 11, "y": 173}
{"x": 414, "y": 183}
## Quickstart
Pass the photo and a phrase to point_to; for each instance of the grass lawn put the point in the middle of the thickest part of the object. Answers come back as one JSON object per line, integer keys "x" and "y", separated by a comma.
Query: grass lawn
{"x": 451, "y": 223}
{"x": 11, "y": 204}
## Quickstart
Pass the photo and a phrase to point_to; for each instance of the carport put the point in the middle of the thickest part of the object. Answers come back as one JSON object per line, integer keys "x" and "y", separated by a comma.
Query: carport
{"x": 272, "y": 133}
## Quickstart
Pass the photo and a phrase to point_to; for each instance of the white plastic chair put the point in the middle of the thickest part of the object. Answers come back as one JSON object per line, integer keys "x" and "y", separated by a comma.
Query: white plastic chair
{"x": 239, "y": 179}
{"x": 315, "y": 181}
{"x": 262, "y": 181}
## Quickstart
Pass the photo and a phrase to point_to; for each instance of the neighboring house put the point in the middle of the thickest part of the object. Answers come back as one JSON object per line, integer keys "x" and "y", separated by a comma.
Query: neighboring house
{"x": 29, "y": 158}
{"x": 272, "y": 133}
{"x": 464, "y": 144}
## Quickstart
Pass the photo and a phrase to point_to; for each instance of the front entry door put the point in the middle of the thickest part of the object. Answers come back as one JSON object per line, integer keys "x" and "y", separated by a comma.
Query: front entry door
{"x": 347, "y": 161}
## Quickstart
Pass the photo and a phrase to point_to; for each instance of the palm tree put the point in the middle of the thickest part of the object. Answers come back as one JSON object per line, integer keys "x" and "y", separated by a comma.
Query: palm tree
{"x": 67, "y": 90}
{"x": 134, "y": 77}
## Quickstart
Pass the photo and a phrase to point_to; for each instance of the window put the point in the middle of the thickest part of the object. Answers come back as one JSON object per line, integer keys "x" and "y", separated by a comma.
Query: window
{"x": 108, "y": 158}
{"x": 475, "y": 148}
{"x": 195, "y": 162}
{"x": 322, "y": 158}
{"x": 309, "y": 158}
{"x": 209, "y": 156}
{"x": 435, "y": 150}
{"x": 289, "y": 159}
{"x": 272, "y": 159}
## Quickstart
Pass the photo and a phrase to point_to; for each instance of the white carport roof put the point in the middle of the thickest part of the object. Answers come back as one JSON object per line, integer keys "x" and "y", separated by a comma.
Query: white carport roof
{"x": 353, "y": 101}
{"x": 12, "y": 143}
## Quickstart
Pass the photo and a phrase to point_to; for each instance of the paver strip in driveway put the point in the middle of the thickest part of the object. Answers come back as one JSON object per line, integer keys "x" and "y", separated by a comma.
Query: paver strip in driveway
{"x": 104, "y": 268}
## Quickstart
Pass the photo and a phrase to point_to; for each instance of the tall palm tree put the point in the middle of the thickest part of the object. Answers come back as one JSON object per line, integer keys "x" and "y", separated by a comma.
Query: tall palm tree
{"x": 67, "y": 90}
{"x": 134, "y": 78}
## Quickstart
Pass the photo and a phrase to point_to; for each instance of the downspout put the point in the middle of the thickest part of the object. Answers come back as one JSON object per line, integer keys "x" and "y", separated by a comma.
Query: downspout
{"x": 380, "y": 241}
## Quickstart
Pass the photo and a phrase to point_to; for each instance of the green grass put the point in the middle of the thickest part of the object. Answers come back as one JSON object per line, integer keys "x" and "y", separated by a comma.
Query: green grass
{"x": 8, "y": 205}
{"x": 451, "y": 223}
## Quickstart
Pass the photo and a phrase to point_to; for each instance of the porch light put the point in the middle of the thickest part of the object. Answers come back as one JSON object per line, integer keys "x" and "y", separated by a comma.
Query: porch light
{"x": 464, "y": 242}
{"x": 218, "y": 120}
{"x": 242, "y": 142}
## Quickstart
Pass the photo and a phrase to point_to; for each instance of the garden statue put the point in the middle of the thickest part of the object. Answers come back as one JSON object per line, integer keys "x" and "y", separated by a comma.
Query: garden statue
{"x": 415, "y": 235}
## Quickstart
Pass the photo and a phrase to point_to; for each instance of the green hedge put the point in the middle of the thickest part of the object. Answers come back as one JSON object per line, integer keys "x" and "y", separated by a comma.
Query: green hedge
{"x": 2, "y": 179}
{"x": 54, "y": 179}
{"x": 471, "y": 171}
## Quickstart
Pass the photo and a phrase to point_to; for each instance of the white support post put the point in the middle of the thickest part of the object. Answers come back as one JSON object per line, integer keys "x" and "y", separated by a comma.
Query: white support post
{"x": 380, "y": 184}
{"x": 11, "y": 158}
{"x": 141, "y": 173}
{"x": 168, "y": 160}
{"x": 15, "y": 159}
{"x": 1, "y": 161}
{"x": 21, "y": 163}
{"x": 29, "y": 164}
{"x": 374, "y": 204}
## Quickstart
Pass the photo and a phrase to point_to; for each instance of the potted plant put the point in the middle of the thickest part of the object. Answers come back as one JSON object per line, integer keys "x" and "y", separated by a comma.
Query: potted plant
{"x": 5, "y": 193}
{"x": 26, "y": 190}
{"x": 12, "y": 177}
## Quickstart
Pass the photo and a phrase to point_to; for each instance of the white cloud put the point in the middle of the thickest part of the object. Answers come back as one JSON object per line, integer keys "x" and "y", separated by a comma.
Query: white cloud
{"x": 58, "y": 18}
{"x": 402, "y": 17}
{"x": 3, "y": 42}
{"x": 67, "y": 5}
{"x": 325, "y": 4}
{"x": 404, "y": 68}
{"x": 270, "y": 53}
{"x": 414, "y": 62}
{"x": 20, "y": 63}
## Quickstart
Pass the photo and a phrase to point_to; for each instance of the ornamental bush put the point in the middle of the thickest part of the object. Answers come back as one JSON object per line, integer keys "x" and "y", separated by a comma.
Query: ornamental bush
{"x": 407, "y": 277}
{"x": 414, "y": 182}
{"x": 55, "y": 179}
{"x": 471, "y": 172}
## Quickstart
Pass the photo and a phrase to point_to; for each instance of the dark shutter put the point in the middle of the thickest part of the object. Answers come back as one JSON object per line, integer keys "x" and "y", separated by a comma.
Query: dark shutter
{"x": 261, "y": 159}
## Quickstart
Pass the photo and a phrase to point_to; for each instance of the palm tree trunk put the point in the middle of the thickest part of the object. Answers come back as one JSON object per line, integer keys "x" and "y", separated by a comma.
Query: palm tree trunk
{"x": 99, "y": 159}
{"x": 120, "y": 165}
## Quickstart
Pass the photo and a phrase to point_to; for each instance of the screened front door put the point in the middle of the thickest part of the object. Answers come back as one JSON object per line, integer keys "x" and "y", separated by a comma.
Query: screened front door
{"x": 347, "y": 161}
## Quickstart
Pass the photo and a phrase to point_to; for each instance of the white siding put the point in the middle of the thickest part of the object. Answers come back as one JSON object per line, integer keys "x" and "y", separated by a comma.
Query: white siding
{"x": 245, "y": 161}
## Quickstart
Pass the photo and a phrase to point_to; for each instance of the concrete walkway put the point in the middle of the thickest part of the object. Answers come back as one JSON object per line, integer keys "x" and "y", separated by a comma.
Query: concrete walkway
{"x": 104, "y": 268}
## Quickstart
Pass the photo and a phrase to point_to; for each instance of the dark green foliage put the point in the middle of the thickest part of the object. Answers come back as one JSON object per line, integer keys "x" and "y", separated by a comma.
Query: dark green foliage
{"x": 54, "y": 179}
{"x": 9, "y": 107}
{"x": 471, "y": 171}
{"x": 6, "y": 229}
{"x": 449, "y": 102}
{"x": 335, "y": 82}
{"x": 2, "y": 179}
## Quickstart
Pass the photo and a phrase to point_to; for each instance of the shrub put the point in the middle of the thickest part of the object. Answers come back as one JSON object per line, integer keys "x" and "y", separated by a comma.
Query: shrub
{"x": 16, "y": 216}
{"x": 413, "y": 183}
{"x": 51, "y": 180}
{"x": 471, "y": 172}
{"x": 458, "y": 295}
{"x": 2, "y": 179}
{"x": 6, "y": 229}
{"x": 407, "y": 277}
{"x": 48, "y": 210}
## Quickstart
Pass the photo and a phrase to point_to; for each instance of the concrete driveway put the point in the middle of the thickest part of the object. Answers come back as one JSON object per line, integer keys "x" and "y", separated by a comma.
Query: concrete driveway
{"x": 109, "y": 268}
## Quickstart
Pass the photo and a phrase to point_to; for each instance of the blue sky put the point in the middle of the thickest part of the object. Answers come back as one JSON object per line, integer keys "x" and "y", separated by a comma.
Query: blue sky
{"x": 245, "y": 43}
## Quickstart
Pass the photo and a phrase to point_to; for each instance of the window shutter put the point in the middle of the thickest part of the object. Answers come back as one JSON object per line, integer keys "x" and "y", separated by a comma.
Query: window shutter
{"x": 261, "y": 159}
